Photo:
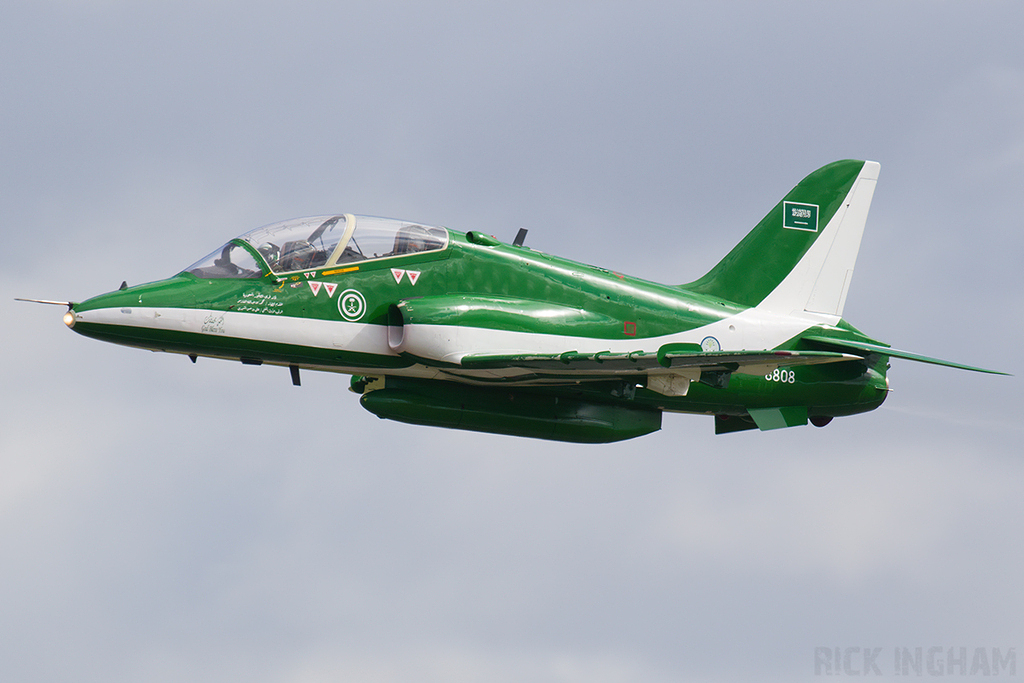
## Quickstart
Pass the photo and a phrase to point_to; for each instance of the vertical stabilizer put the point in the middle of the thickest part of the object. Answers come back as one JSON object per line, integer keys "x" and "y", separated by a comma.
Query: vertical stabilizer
{"x": 801, "y": 256}
{"x": 821, "y": 279}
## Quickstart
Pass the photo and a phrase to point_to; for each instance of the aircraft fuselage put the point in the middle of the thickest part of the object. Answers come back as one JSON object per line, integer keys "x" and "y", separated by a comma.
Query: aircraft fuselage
{"x": 482, "y": 294}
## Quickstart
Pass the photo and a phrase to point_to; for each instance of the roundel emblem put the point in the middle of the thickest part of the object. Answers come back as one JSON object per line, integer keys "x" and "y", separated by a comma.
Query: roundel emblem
{"x": 710, "y": 345}
{"x": 351, "y": 305}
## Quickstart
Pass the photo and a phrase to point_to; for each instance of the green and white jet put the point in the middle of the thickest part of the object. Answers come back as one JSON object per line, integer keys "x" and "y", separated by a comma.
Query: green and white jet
{"x": 460, "y": 330}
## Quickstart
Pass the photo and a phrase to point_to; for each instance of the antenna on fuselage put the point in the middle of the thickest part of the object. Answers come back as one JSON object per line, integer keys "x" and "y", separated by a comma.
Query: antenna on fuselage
{"x": 520, "y": 237}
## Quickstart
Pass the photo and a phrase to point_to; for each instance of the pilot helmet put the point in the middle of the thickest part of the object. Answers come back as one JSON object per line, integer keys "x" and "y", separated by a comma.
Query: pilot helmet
{"x": 269, "y": 251}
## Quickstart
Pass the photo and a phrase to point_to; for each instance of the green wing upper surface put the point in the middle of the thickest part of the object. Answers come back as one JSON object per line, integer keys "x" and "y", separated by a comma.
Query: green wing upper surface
{"x": 667, "y": 357}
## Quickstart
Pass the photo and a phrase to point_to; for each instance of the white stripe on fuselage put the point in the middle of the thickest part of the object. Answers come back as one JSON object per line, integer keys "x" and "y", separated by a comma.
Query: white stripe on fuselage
{"x": 279, "y": 329}
{"x": 751, "y": 329}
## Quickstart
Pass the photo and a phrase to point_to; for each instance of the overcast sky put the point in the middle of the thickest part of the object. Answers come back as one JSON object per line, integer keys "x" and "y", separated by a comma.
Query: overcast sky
{"x": 161, "y": 521}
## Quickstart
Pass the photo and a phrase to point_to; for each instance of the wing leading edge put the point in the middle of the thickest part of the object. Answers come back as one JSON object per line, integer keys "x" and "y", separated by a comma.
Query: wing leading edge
{"x": 669, "y": 356}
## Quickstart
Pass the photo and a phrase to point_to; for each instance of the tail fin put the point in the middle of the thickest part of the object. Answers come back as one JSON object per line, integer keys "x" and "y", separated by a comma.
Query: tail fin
{"x": 800, "y": 257}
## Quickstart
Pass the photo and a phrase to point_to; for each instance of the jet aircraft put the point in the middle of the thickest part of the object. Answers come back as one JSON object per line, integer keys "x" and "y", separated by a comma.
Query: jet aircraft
{"x": 460, "y": 330}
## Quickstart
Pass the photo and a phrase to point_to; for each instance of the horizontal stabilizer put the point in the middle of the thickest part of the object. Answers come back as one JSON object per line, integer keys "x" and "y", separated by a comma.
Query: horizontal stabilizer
{"x": 865, "y": 348}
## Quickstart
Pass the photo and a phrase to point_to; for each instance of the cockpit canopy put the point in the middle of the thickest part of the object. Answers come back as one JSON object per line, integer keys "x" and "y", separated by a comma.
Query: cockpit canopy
{"x": 315, "y": 242}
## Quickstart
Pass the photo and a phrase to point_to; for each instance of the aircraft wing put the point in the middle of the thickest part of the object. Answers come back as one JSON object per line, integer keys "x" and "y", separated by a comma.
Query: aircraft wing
{"x": 668, "y": 357}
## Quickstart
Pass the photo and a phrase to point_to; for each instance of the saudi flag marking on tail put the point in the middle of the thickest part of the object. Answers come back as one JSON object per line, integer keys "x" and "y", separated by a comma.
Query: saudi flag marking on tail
{"x": 800, "y": 216}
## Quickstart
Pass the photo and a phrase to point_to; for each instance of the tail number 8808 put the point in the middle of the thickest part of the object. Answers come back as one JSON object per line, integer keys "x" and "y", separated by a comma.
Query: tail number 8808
{"x": 784, "y": 376}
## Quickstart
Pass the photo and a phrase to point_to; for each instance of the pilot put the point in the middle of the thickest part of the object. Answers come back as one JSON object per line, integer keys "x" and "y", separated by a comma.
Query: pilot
{"x": 296, "y": 255}
{"x": 270, "y": 253}
{"x": 410, "y": 240}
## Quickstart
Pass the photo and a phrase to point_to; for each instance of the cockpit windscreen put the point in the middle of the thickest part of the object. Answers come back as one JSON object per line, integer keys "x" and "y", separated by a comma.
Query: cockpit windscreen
{"x": 319, "y": 241}
{"x": 232, "y": 260}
